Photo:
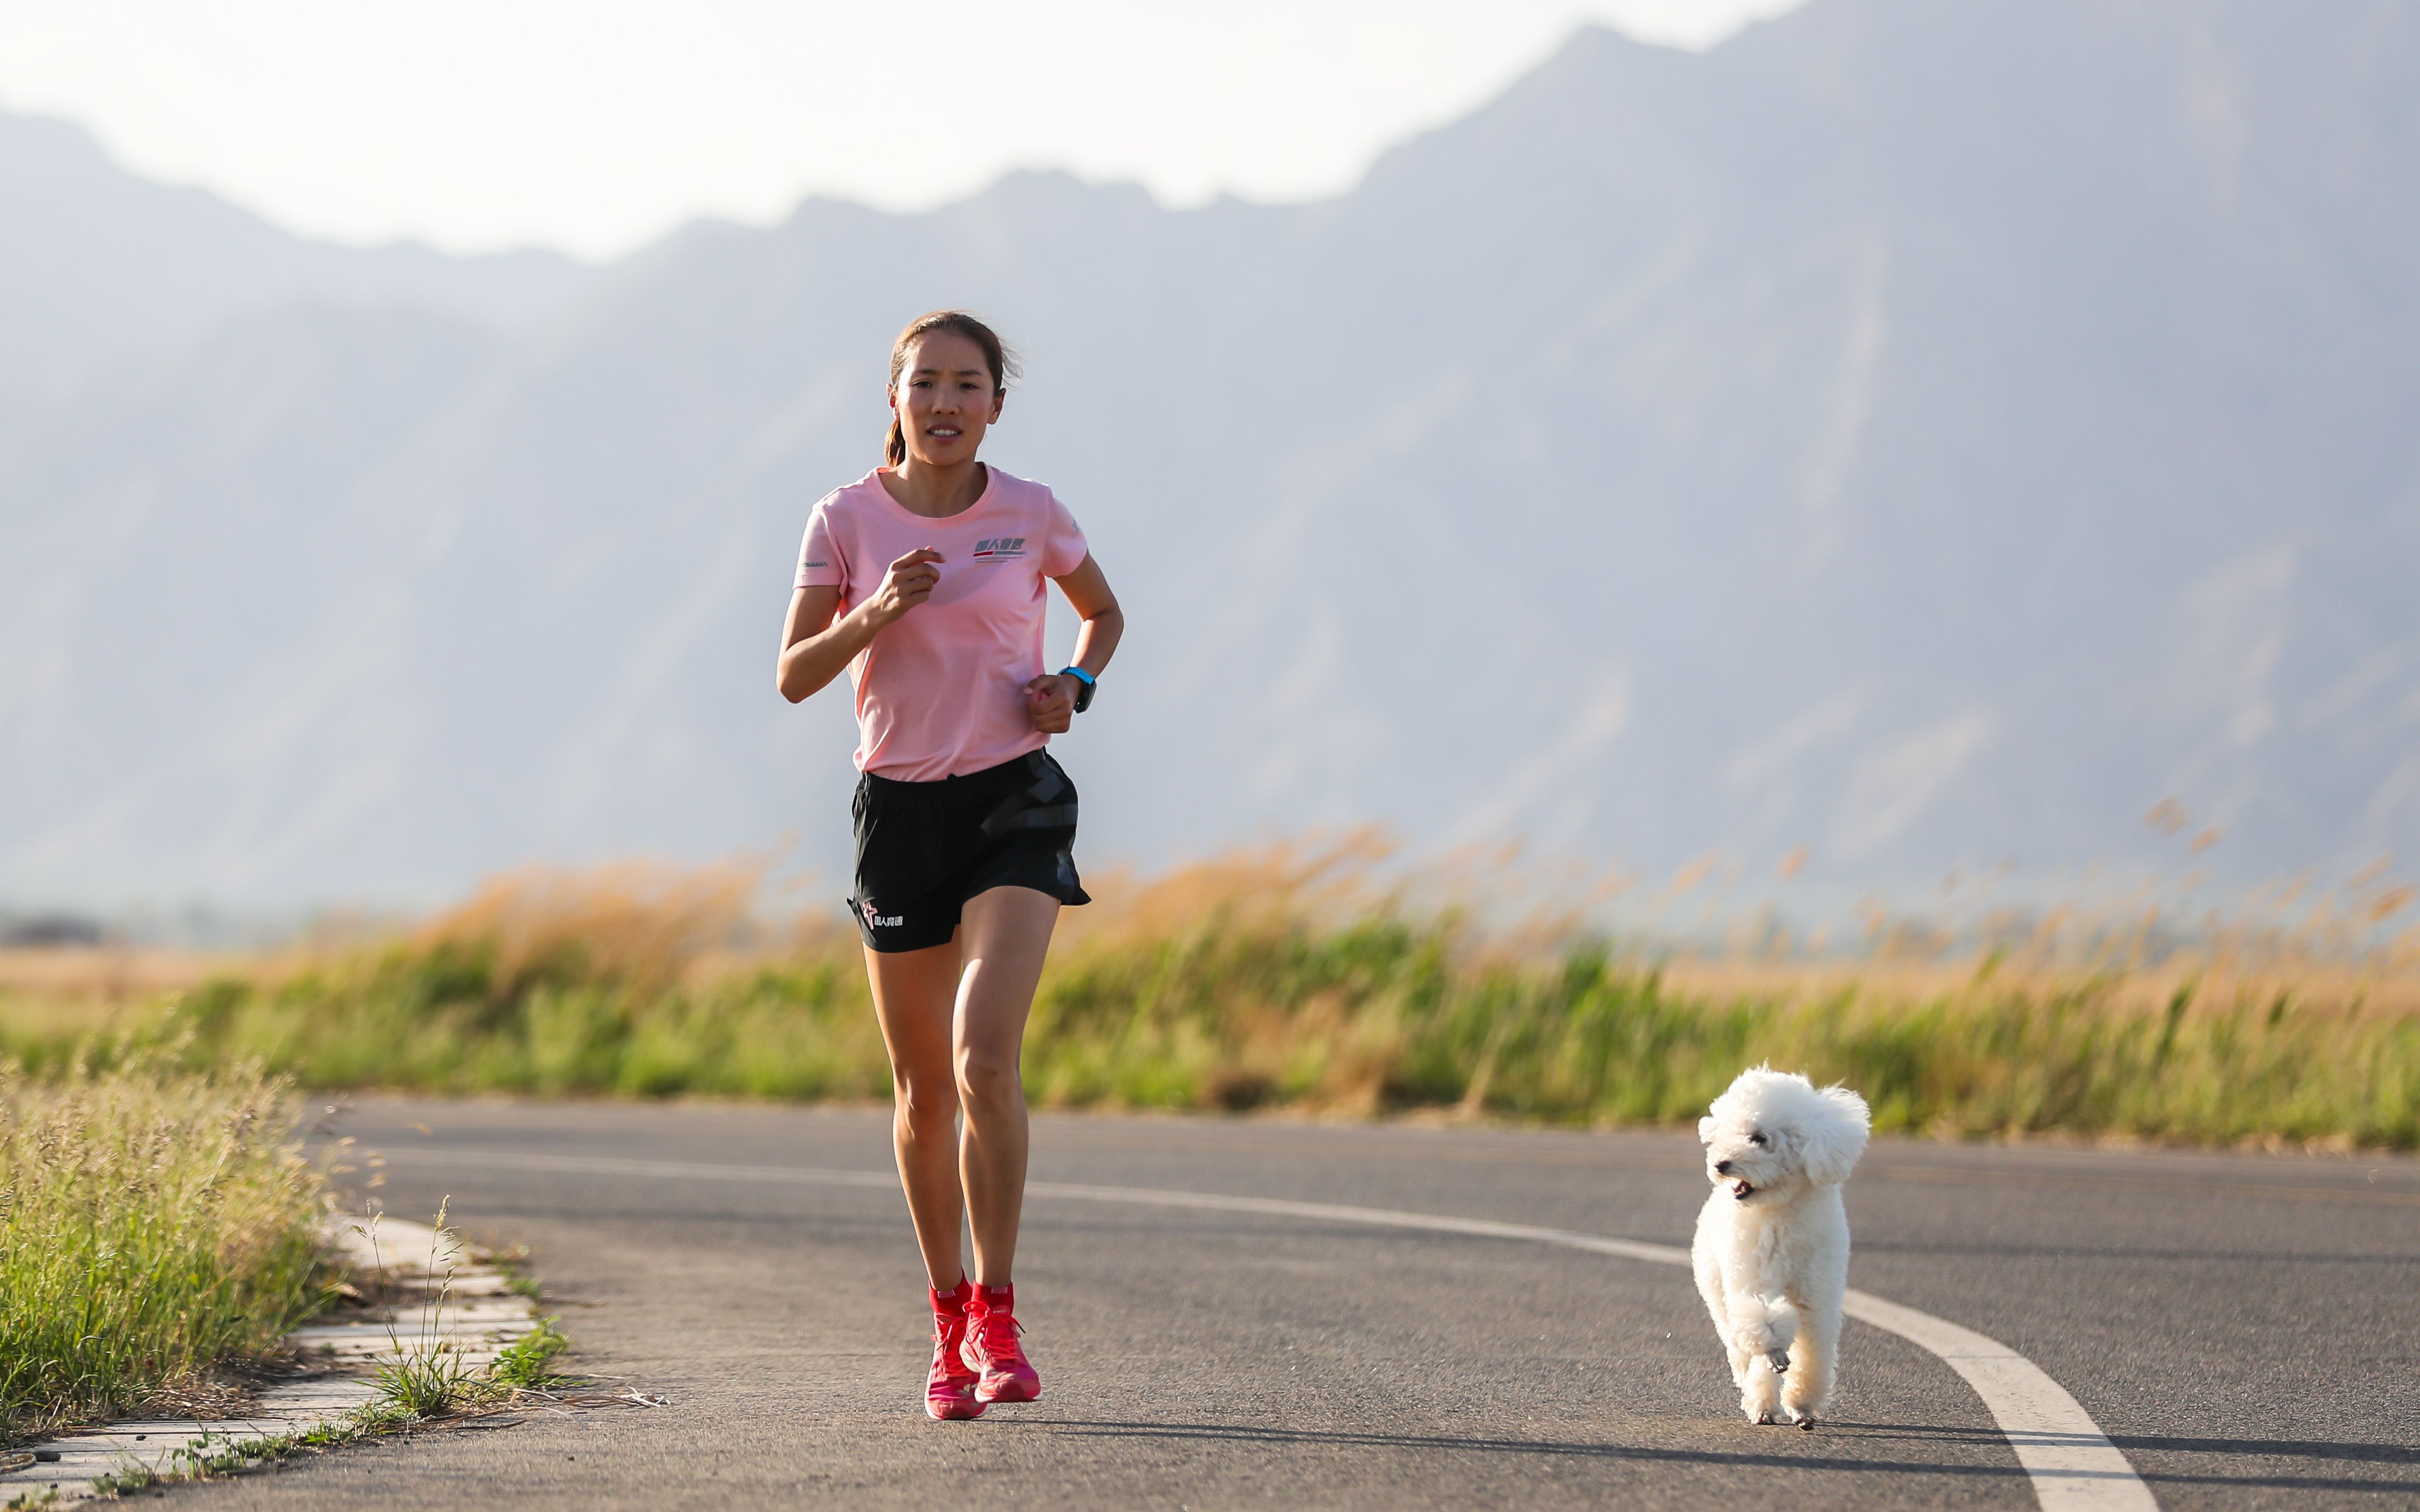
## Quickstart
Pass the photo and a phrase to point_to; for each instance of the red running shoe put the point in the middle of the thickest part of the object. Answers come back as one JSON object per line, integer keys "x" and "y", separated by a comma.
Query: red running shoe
{"x": 950, "y": 1387}
{"x": 991, "y": 1347}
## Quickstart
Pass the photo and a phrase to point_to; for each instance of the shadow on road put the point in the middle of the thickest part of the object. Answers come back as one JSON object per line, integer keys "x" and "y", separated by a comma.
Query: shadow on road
{"x": 2080, "y": 1252}
{"x": 2138, "y": 1445}
{"x": 2386, "y": 1454}
{"x": 1248, "y": 1433}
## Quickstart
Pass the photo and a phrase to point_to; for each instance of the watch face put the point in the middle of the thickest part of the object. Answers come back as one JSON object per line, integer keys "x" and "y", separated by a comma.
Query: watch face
{"x": 1084, "y": 691}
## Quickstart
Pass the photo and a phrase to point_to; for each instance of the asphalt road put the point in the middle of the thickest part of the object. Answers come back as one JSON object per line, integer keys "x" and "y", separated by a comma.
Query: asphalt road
{"x": 2245, "y": 1328}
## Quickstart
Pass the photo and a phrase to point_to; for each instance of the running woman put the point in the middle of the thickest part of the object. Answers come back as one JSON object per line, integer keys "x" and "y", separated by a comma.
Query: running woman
{"x": 924, "y": 580}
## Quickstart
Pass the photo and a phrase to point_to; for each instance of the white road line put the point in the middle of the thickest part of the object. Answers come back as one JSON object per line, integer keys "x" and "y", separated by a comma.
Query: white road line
{"x": 2073, "y": 1466}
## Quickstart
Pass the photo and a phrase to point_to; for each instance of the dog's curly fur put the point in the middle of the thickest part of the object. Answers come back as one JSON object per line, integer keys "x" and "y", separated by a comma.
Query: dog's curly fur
{"x": 1771, "y": 1252}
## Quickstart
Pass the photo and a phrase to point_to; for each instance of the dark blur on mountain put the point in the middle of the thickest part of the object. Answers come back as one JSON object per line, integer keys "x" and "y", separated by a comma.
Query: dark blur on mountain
{"x": 1925, "y": 434}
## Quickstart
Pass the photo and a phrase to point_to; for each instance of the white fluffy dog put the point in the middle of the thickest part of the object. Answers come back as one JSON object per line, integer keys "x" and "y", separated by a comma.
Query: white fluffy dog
{"x": 1771, "y": 1253}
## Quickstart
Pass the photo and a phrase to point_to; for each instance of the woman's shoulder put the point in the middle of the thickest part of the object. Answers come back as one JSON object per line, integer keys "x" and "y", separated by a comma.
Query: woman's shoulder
{"x": 850, "y": 499}
{"x": 1008, "y": 489}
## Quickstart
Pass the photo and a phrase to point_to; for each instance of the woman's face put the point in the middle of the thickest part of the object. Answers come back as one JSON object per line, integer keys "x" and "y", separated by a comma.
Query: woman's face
{"x": 945, "y": 399}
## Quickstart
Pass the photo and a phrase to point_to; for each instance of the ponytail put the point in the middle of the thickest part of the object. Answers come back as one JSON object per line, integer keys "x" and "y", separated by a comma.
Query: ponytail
{"x": 997, "y": 357}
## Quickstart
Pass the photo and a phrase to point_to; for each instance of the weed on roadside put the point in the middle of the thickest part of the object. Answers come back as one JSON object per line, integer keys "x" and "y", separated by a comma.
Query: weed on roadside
{"x": 215, "y": 1454}
{"x": 431, "y": 1383}
{"x": 513, "y": 1264}
{"x": 523, "y": 1364}
{"x": 430, "y": 1375}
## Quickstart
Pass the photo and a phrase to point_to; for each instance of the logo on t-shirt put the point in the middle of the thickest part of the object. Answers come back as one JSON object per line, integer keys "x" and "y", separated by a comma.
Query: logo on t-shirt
{"x": 999, "y": 548}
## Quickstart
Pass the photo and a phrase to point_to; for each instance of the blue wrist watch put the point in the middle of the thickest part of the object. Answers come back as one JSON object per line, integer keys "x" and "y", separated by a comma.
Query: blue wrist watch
{"x": 1083, "y": 694}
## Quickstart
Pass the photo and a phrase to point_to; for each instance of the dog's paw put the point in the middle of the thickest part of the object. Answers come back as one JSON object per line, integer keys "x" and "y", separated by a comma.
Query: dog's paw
{"x": 1806, "y": 1423}
{"x": 1766, "y": 1420}
{"x": 1780, "y": 1359}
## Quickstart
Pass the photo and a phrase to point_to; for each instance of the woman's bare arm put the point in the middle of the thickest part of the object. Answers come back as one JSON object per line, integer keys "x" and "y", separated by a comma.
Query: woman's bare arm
{"x": 815, "y": 647}
{"x": 1051, "y": 699}
{"x": 1088, "y": 595}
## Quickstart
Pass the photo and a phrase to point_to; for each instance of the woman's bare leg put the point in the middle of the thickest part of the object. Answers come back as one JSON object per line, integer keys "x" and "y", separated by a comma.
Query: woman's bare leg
{"x": 1003, "y": 935}
{"x": 914, "y": 994}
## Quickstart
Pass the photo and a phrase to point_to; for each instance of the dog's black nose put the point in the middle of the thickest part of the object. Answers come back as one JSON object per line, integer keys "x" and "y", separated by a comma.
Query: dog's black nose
{"x": 1722, "y": 1167}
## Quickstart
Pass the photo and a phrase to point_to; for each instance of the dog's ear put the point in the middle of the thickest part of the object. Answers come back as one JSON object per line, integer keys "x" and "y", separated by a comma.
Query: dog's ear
{"x": 1706, "y": 1129}
{"x": 1835, "y": 1141}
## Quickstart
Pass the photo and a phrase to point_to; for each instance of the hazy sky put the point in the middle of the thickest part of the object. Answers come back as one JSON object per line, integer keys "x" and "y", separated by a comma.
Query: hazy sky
{"x": 595, "y": 125}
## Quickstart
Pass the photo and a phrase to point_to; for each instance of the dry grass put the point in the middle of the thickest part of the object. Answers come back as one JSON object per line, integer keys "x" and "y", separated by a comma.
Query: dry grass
{"x": 2367, "y": 992}
{"x": 85, "y": 975}
{"x": 642, "y": 925}
{"x": 1310, "y": 977}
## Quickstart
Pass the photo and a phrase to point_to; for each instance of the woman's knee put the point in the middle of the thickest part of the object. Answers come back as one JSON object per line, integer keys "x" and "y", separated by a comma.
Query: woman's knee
{"x": 925, "y": 1102}
{"x": 988, "y": 1080}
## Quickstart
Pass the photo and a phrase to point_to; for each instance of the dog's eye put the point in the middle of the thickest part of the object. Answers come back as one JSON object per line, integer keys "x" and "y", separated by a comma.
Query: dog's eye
{"x": 1756, "y": 1139}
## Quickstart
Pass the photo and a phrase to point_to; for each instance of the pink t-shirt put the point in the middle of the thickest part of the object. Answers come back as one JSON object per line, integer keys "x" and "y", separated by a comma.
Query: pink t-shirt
{"x": 940, "y": 691}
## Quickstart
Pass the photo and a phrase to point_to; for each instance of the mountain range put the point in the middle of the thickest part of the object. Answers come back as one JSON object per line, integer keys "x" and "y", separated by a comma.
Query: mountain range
{"x": 1916, "y": 437}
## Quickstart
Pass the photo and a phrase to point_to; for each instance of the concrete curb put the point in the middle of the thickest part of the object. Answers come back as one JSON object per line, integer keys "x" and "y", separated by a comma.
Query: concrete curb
{"x": 478, "y": 1316}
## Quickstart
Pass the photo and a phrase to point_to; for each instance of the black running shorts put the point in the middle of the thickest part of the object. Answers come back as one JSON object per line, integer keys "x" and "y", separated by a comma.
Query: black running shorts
{"x": 924, "y": 848}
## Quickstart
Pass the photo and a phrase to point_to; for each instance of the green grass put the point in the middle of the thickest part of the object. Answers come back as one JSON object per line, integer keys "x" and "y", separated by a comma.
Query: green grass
{"x": 431, "y": 1383}
{"x": 1247, "y": 985}
{"x": 527, "y": 1364}
{"x": 434, "y": 1381}
{"x": 413, "y": 1390}
{"x": 152, "y": 1221}
{"x": 214, "y": 1455}
{"x": 1378, "y": 1015}
{"x": 426, "y": 1376}
{"x": 155, "y": 1220}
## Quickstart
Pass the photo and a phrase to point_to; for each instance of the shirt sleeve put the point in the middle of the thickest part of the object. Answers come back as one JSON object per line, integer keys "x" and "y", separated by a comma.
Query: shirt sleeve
{"x": 820, "y": 561}
{"x": 1063, "y": 550}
